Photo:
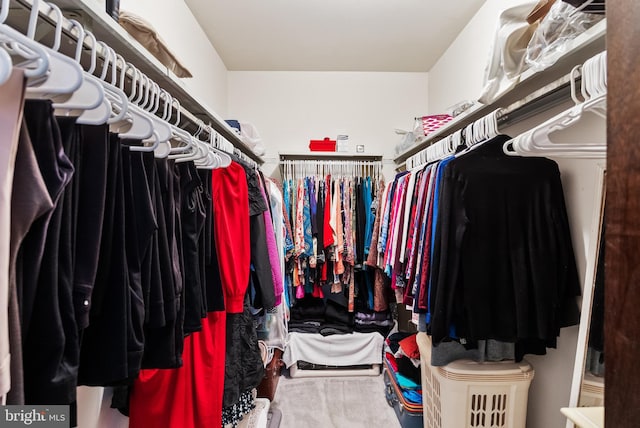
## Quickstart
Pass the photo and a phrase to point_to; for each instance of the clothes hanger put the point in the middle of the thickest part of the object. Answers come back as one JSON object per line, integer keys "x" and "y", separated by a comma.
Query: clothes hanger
{"x": 35, "y": 59}
{"x": 180, "y": 138}
{"x": 575, "y": 72}
{"x": 101, "y": 114}
{"x": 153, "y": 108}
{"x": 224, "y": 160}
{"x": 216, "y": 159}
{"x": 195, "y": 150}
{"x": 163, "y": 149}
{"x": 224, "y": 156}
{"x": 6, "y": 66}
{"x": 162, "y": 130}
{"x": 120, "y": 120}
{"x": 141, "y": 126}
{"x": 199, "y": 154}
{"x": 188, "y": 144}
{"x": 538, "y": 140}
{"x": 477, "y": 133}
{"x": 212, "y": 160}
{"x": 208, "y": 144}
{"x": 90, "y": 95}
{"x": 65, "y": 74}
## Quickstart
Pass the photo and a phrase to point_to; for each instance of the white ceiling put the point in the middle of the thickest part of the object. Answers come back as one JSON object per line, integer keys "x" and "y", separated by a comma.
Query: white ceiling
{"x": 332, "y": 35}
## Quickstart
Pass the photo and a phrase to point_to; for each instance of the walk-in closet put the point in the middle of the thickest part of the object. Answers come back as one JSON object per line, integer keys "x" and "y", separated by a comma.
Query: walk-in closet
{"x": 320, "y": 214}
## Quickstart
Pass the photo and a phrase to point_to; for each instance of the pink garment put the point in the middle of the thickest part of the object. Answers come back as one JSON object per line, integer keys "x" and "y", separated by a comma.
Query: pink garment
{"x": 274, "y": 259}
{"x": 412, "y": 244}
{"x": 328, "y": 230}
{"x": 339, "y": 266}
{"x": 299, "y": 226}
{"x": 394, "y": 216}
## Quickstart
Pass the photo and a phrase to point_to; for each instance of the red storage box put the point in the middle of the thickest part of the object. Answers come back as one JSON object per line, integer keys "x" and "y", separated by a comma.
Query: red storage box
{"x": 326, "y": 145}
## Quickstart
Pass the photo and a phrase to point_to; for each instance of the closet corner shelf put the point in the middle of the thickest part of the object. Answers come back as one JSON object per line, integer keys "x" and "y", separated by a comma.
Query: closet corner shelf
{"x": 577, "y": 51}
{"x": 323, "y": 156}
{"x": 92, "y": 14}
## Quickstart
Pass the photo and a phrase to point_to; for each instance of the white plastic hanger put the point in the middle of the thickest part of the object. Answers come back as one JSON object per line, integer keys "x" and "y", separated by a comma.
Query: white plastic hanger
{"x": 101, "y": 114}
{"x": 35, "y": 58}
{"x": 90, "y": 95}
{"x": 166, "y": 111}
{"x": 199, "y": 153}
{"x": 141, "y": 126}
{"x": 224, "y": 160}
{"x": 538, "y": 141}
{"x": 199, "y": 149}
{"x": 180, "y": 138}
{"x": 212, "y": 160}
{"x": 138, "y": 88}
{"x": 6, "y": 65}
{"x": 119, "y": 118}
{"x": 164, "y": 148}
{"x": 162, "y": 129}
{"x": 65, "y": 74}
{"x": 478, "y": 132}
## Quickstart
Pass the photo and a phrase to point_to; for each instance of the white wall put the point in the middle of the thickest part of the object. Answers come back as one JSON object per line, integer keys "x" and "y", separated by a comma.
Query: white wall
{"x": 459, "y": 73}
{"x": 291, "y": 108}
{"x": 178, "y": 27}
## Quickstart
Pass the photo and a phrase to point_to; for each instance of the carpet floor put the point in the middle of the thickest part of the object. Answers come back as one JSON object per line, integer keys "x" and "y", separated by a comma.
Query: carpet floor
{"x": 334, "y": 402}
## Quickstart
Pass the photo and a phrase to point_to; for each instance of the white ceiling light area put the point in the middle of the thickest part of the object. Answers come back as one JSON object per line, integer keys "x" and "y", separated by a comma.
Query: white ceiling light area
{"x": 332, "y": 35}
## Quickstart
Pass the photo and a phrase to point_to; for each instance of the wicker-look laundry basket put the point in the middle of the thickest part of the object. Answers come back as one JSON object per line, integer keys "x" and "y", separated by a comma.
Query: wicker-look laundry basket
{"x": 466, "y": 394}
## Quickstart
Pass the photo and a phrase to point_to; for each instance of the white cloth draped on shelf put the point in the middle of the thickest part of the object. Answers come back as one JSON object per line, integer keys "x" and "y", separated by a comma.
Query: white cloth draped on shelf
{"x": 335, "y": 350}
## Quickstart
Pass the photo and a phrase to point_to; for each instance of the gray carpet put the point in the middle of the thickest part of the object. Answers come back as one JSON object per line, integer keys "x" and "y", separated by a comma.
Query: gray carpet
{"x": 334, "y": 402}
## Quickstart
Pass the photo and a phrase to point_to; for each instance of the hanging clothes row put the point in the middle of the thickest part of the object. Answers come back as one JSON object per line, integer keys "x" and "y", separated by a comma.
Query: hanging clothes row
{"x": 478, "y": 243}
{"x": 329, "y": 222}
{"x": 125, "y": 265}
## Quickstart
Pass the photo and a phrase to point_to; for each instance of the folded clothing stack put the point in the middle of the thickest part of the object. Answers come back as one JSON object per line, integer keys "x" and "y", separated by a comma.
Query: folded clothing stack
{"x": 331, "y": 316}
{"x": 402, "y": 354}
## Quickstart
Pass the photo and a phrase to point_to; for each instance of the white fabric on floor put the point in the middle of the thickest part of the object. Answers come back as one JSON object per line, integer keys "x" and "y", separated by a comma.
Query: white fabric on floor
{"x": 335, "y": 350}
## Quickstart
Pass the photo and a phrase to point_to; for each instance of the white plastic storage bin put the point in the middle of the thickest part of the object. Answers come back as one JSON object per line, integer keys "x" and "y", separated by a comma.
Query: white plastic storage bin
{"x": 466, "y": 394}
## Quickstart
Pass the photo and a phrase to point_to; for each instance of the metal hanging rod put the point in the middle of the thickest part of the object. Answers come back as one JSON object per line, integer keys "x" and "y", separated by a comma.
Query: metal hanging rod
{"x": 302, "y": 168}
{"x": 329, "y": 156}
